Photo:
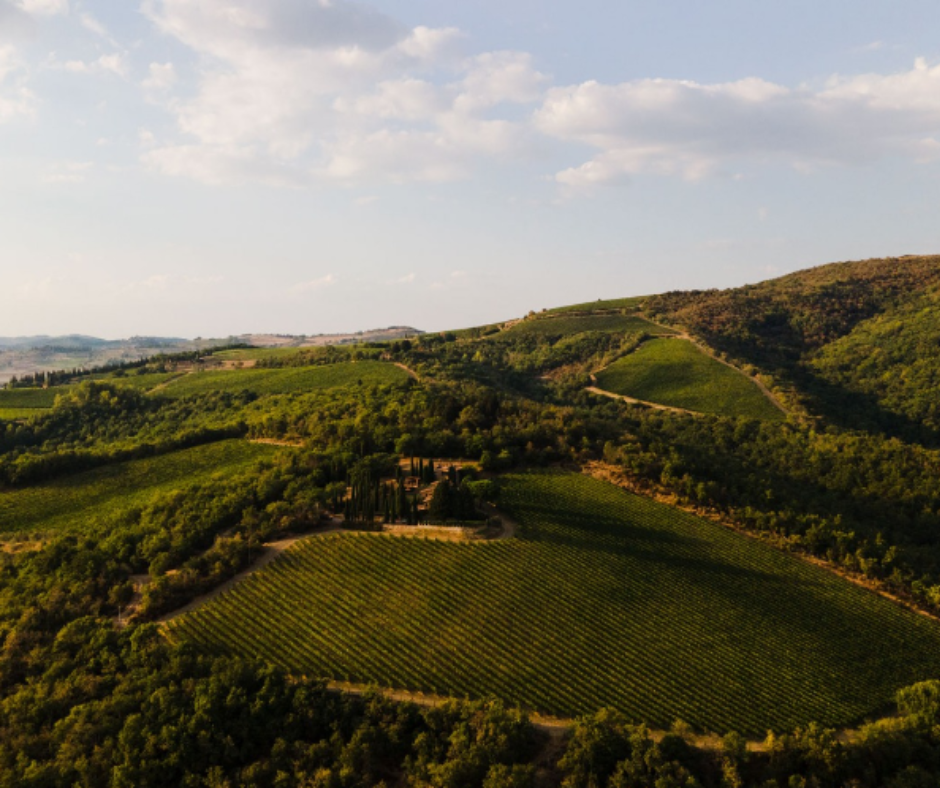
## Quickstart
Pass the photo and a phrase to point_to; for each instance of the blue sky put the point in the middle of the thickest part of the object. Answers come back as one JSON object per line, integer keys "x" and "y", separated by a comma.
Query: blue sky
{"x": 301, "y": 166}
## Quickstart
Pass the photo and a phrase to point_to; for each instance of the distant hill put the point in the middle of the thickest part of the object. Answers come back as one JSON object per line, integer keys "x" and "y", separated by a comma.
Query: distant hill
{"x": 28, "y": 355}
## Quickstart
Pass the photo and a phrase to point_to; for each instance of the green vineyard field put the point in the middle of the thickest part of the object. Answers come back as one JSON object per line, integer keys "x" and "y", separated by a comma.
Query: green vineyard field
{"x": 145, "y": 382}
{"x": 82, "y": 500}
{"x": 28, "y": 398}
{"x": 632, "y": 302}
{"x": 576, "y": 325}
{"x": 604, "y": 599}
{"x": 244, "y": 354}
{"x": 678, "y": 374}
{"x": 288, "y": 380}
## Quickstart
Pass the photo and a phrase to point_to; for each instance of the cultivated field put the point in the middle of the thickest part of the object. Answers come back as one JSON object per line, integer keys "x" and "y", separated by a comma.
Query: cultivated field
{"x": 633, "y": 302}
{"x": 83, "y": 500}
{"x": 144, "y": 382}
{"x": 28, "y": 398}
{"x": 576, "y": 325}
{"x": 287, "y": 380}
{"x": 243, "y": 354}
{"x": 676, "y": 373}
{"x": 605, "y": 598}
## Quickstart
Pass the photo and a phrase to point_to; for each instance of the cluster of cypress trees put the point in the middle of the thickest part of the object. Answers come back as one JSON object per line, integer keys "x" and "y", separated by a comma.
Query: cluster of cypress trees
{"x": 424, "y": 471}
{"x": 370, "y": 498}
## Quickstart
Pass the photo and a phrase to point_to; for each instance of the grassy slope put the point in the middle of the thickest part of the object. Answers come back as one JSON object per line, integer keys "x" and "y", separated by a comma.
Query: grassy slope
{"x": 283, "y": 381}
{"x": 606, "y": 599}
{"x": 81, "y": 500}
{"x": 577, "y": 325}
{"x": 676, "y": 373}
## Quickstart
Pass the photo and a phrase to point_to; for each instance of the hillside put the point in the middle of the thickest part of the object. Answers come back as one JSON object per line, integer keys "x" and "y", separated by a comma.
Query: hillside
{"x": 598, "y": 512}
{"x": 854, "y": 342}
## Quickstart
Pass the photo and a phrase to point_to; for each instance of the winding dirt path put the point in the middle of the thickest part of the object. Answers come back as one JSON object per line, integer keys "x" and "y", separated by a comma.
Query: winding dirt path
{"x": 635, "y": 401}
{"x": 411, "y": 373}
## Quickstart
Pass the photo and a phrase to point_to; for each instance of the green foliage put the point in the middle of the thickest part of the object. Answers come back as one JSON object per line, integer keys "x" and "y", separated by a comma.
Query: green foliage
{"x": 921, "y": 701}
{"x": 676, "y": 373}
{"x": 676, "y": 616}
{"x": 894, "y": 359}
{"x": 84, "y": 501}
{"x": 18, "y": 414}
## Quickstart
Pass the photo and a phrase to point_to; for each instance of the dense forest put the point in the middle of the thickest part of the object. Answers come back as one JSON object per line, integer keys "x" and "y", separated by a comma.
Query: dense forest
{"x": 93, "y": 693}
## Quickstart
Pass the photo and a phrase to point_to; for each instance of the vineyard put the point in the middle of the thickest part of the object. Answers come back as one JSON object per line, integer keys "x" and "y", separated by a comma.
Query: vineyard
{"x": 245, "y": 354}
{"x": 678, "y": 374}
{"x": 27, "y": 398}
{"x": 605, "y": 599}
{"x": 285, "y": 381}
{"x": 144, "y": 382}
{"x": 628, "y": 324}
{"x": 82, "y": 500}
{"x": 633, "y": 302}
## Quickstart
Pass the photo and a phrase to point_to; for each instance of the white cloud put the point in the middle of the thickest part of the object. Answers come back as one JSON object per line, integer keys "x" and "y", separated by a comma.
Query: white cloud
{"x": 671, "y": 127}
{"x": 498, "y": 77}
{"x": 44, "y": 7}
{"x": 871, "y": 46}
{"x": 16, "y": 99}
{"x": 115, "y": 63}
{"x": 92, "y": 24}
{"x": 160, "y": 76}
{"x": 68, "y": 172}
{"x": 221, "y": 26}
{"x": 315, "y": 284}
{"x": 295, "y": 92}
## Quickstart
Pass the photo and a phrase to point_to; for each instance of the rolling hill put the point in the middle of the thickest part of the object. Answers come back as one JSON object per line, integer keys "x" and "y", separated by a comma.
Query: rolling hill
{"x": 734, "y": 570}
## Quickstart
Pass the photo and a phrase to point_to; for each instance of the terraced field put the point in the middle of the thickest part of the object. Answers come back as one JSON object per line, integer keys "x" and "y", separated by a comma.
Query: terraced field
{"x": 285, "y": 381}
{"x": 676, "y": 373}
{"x": 605, "y": 598}
{"x": 576, "y": 325}
{"x": 83, "y": 500}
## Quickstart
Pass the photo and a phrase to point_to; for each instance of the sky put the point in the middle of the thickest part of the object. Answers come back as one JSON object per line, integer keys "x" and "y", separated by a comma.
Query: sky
{"x": 217, "y": 167}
